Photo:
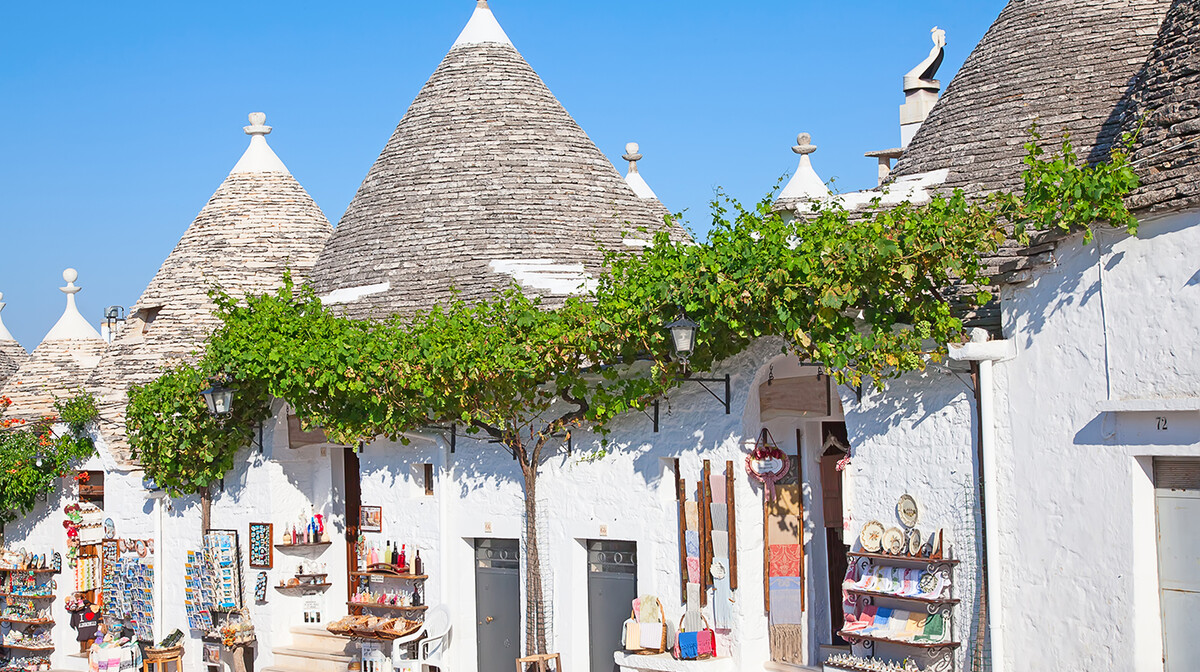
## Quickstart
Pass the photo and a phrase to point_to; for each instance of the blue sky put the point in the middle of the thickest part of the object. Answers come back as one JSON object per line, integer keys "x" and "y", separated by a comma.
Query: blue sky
{"x": 121, "y": 119}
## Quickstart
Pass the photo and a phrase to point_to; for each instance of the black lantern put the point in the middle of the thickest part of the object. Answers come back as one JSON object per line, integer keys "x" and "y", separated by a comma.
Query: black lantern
{"x": 219, "y": 400}
{"x": 683, "y": 337}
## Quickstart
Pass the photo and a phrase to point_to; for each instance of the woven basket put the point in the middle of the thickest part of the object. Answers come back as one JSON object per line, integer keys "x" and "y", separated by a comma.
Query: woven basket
{"x": 151, "y": 655}
{"x": 398, "y": 628}
{"x": 662, "y": 648}
{"x": 366, "y": 628}
{"x": 703, "y": 656}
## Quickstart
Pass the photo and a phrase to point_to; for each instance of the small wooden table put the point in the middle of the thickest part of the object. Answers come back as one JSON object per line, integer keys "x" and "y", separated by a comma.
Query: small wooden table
{"x": 540, "y": 659}
{"x": 159, "y": 664}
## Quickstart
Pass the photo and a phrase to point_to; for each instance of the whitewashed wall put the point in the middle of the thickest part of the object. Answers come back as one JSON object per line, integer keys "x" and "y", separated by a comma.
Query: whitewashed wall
{"x": 1115, "y": 321}
{"x": 918, "y": 437}
{"x": 275, "y": 485}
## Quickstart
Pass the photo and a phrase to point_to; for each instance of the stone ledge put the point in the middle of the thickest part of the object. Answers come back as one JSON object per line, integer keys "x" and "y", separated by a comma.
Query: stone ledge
{"x": 664, "y": 662}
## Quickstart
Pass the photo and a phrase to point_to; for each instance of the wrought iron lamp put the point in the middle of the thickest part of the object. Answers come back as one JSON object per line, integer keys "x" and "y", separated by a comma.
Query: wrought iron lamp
{"x": 219, "y": 399}
{"x": 683, "y": 337}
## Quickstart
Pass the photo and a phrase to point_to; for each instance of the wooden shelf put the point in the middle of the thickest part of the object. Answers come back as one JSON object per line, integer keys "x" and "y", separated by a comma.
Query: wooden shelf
{"x": 406, "y": 577}
{"x": 27, "y": 648}
{"x": 26, "y": 571}
{"x": 28, "y": 597}
{"x": 908, "y": 598}
{"x": 319, "y": 544}
{"x": 304, "y": 585}
{"x": 902, "y": 558}
{"x": 309, "y": 576}
{"x": 371, "y": 605}
{"x": 24, "y": 622}
{"x": 887, "y": 640}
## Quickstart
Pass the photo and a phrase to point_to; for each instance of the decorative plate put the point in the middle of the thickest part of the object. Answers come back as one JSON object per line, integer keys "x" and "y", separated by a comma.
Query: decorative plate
{"x": 871, "y": 536}
{"x": 914, "y": 542}
{"x": 110, "y": 528}
{"x": 141, "y": 548}
{"x": 893, "y": 541}
{"x": 928, "y": 583}
{"x": 906, "y": 510}
{"x": 717, "y": 570}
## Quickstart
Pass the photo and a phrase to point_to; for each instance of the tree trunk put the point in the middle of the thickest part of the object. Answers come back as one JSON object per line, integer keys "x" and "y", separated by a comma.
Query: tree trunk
{"x": 205, "y": 510}
{"x": 535, "y": 606}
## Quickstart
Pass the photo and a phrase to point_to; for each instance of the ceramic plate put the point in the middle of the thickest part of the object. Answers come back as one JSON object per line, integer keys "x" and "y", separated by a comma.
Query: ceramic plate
{"x": 906, "y": 510}
{"x": 914, "y": 542}
{"x": 110, "y": 528}
{"x": 894, "y": 542}
{"x": 871, "y": 536}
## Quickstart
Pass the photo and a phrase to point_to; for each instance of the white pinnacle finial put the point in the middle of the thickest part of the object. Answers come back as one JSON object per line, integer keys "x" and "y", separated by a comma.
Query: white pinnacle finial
{"x": 481, "y": 4}
{"x": 632, "y": 156}
{"x": 482, "y": 28}
{"x": 259, "y": 158}
{"x": 4, "y": 335}
{"x": 805, "y": 184}
{"x": 258, "y": 124}
{"x": 804, "y": 145}
{"x": 633, "y": 178}
{"x": 71, "y": 326}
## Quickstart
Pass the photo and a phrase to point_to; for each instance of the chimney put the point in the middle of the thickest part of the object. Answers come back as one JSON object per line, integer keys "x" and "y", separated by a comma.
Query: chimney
{"x": 920, "y": 95}
{"x": 921, "y": 89}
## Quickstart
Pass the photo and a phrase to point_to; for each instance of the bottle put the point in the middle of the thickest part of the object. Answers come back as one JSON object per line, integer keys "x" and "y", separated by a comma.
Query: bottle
{"x": 287, "y": 537}
{"x": 395, "y": 559}
{"x": 418, "y": 566}
{"x": 400, "y": 562}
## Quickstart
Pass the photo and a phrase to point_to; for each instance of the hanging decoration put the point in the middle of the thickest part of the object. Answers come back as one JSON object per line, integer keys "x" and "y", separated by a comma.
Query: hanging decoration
{"x": 767, "y": 463}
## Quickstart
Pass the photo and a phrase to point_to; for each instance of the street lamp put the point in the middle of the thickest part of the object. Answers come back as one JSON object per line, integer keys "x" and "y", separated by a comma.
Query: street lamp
{"x": 219, "y": 400}
{"x": 683, "y": 337}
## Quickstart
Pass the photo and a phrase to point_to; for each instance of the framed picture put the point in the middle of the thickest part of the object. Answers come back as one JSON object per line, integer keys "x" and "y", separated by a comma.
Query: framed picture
{"x": 370, "y": 519}
{"x": 212, "y": 654}
{"x": 262, "y": 552}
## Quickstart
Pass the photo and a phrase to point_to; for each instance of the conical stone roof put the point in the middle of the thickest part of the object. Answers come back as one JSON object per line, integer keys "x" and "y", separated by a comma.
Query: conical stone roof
{"x": 59, "y": 367}
{"x": 1165, "y": 113}
{"x": 1065, "y": 64}
{"x": 259, "y": 224}
{"x": 12, "y": 355}
{"x": 486, "y": 180}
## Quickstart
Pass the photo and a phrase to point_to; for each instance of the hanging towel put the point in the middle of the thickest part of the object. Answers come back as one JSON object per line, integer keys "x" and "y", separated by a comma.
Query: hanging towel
{"x": 632, "y": 635}
{"x": 652, "y": 635}
{"x": 787, "y": 607}
{"x": 720, "y": 545}
{"x": 650, "y": 612}
{"x": 716, "y": 483}
{"x": 689, "y": 646}
{"x": 722, "y": 604}
{"x": 707, "y": 642}
{"x": 691, "y": 543}
{"x": 637, "y": 608}
{"x": 720, "y": 517}
{"x": 693, "y": 566}
{"x": 691, "y": 516}
{"x": 693, "y": 596}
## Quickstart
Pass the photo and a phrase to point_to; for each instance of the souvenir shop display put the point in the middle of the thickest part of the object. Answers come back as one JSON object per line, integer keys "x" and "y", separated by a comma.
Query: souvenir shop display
{"x": 647, "y": 632}
{"x": 262, "y": 553}
{"x": 901, "y": 593}
{"x": 384, "y": 578}
{"x": 130, "y": 601}
{"x": 224, "y": 559}
{"x": 260, "y": 587}
{"x": 853, "y": 663}
{"x": 199, "y": 593}
{"x": 27, "y": 586}
{"x": 309, "y": 532}
{"x": 308, "y": 575}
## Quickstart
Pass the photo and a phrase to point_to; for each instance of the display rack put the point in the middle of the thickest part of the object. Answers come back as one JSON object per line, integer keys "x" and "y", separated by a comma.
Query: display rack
{"x": 941, "y": 651}
{"x": 11, "y": 598}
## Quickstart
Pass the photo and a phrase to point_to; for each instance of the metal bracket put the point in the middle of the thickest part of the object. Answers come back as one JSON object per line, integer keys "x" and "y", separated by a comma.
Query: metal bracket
{"x": 728, "y": 389}
{"x": 652, "y": 417}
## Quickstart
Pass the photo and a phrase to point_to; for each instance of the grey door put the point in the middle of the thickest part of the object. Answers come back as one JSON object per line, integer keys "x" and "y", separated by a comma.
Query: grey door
{"x": 612, "y": 587}
{"x": 497, "y": 603}
{"x": 1177, "y": 483}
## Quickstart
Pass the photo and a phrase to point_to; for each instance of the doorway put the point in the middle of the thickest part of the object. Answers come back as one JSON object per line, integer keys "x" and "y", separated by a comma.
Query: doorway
{"x": 835, "y": 445}
{"x": 1177, "y": 504}
{"x": 497, "y": 604}
{"x": 612, "y": 588}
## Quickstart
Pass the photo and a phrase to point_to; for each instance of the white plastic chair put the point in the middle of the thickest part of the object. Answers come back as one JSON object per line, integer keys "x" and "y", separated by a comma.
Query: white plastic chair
{"x": 436, "y": 631}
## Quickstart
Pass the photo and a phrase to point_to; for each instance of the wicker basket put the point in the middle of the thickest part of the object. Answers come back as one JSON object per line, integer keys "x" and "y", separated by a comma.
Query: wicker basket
{"x": 152, "y": 655}
{"x": 397, "y": 628}
{"x": 675, "y": 649}
{"x": 366, "y": 628}
{"x": 662, "y": 647}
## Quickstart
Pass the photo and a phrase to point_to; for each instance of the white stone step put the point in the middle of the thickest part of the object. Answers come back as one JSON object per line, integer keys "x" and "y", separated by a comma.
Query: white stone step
{"x": 299, "y": 660}
{"x": 317, "y": 638}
